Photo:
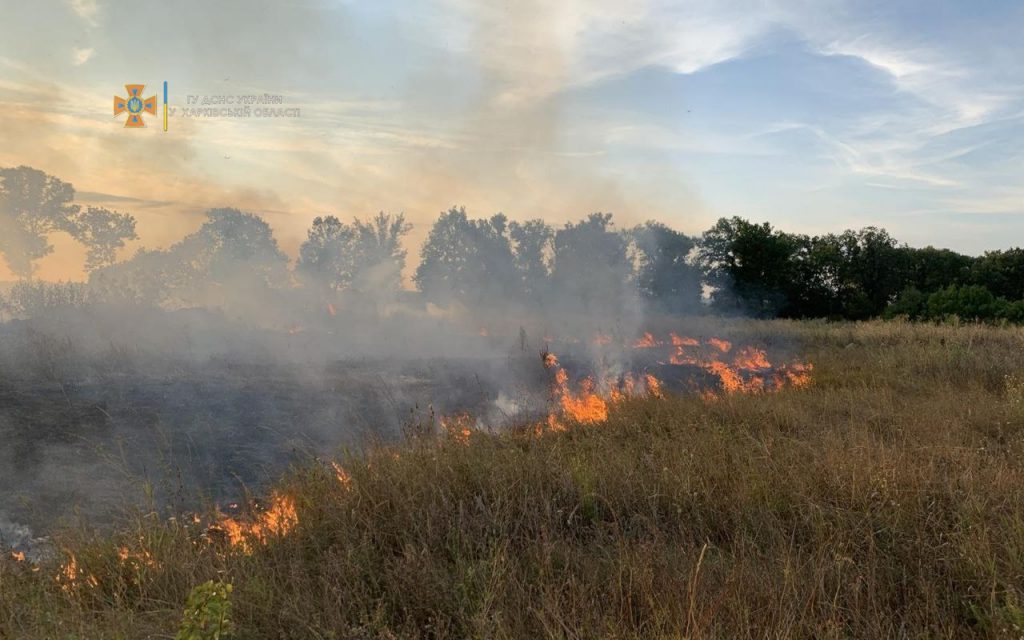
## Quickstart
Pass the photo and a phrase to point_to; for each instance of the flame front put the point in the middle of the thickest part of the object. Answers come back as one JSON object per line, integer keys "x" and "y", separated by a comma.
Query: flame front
{"x": 587, "y": 405}
{"x": 737, "y": 370}
{"x": 277, "y": 520}
{"x": 344, "y": 479}
{"x": 458, "y": 427}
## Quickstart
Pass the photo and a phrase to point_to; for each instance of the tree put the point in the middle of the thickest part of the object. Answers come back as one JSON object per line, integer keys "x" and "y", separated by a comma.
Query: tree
{"x": 326, "y": 257}
{"x": 930, "y": 269}
{"x": 532, "y": 248}
{"x": 381, "y": 257}
{"x": 875, "y": 271}
{"x": 103, "y": 232}
{"x": 232, "y": 246}
{"x": 32, "y": 206}
{"x": 665, "y": 276}
{"x": 817, "y": 287}
{"x": 149, "y": 278}
{"x": 591, "y": 265}
{"x": 468, "y": 260}
{"x": 970, "y": 301}
{"x": 363, "y": 256}
{"x": 1001, "y": 272}
{"x": 230, "y": 260}
{"x": 749, "y": 266}
{"x": 911, "y": 303}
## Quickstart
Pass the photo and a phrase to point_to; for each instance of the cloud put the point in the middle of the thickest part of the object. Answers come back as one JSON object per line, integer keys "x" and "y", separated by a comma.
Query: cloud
{"x": 419, "y": 106}
{"x": 81, "y": 56}
{"x": 85, "y": 9}
{"x": 536, "y": 49}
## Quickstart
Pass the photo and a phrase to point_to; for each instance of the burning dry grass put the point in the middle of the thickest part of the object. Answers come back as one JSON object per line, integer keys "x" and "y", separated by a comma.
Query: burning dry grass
{"x": 883, "y": 500}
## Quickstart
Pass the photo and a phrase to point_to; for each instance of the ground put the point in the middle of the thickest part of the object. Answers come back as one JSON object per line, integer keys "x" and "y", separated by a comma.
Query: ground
{"x": 883, "y": 500}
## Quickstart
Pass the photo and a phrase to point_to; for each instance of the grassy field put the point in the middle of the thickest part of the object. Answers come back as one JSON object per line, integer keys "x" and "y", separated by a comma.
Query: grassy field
{"x": 885, "y": 500}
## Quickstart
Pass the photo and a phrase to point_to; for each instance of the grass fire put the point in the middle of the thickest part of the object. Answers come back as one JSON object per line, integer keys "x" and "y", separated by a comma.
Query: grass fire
{"x": 856, "y": 485}
{"x": 505, "y": 320}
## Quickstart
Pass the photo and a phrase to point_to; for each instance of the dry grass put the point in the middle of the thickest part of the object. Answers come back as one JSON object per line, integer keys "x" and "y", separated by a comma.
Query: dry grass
{"x": 885, "y": 501}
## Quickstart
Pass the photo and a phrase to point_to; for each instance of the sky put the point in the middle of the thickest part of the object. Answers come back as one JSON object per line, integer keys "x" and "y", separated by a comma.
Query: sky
{"x": 816, "y": 116}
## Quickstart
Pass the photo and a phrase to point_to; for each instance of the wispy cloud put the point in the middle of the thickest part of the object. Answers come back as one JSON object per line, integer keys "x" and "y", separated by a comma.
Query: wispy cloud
{"x": 85, "y": 9}
{"x": 81, "y": 56}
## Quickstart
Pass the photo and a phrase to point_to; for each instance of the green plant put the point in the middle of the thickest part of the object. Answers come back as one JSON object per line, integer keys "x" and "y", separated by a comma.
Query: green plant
{"x": 207, "y": 613}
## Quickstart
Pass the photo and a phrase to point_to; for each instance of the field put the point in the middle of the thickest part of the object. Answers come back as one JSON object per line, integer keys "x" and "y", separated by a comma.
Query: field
{"x": 884, "y": 500}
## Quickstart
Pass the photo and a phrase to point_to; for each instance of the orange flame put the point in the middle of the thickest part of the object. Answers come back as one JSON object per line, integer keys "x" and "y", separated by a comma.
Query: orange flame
{"x": 458, "y": 427}
{"x": 343, "y": 477}
{"x": 69, "y": 575}
{"x": 722, "y": 345}
{"x": 648, "y": 341}
{"x": 586, "y": 405}
{"x": 653, "y": 385}
{"x": 141, "y": 558}
{"x": 743, "y": 370}
{"x": 277, "y": 520}
{"x": 751, "y": 358}
{"x": 683, "y": 342}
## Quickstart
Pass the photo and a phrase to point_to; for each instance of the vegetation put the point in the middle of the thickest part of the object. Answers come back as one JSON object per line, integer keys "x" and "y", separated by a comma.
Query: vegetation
{"x": 881, "y": 501}
{"x": 34, "y": 205}
{"x": 588, "y": 266}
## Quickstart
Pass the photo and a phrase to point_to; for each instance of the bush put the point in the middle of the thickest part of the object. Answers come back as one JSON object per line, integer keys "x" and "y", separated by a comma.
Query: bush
{"x": 972, "y": 302}
{"x": 33, "y": 298}
{"x": 207, "y": 613}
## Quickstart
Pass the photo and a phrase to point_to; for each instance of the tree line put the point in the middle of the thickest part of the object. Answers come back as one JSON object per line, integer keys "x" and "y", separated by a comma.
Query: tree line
{"x": 735, "y": 267}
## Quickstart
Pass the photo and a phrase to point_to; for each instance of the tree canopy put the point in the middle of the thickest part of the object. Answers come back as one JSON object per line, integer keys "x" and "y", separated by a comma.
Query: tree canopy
{"x": 737, "y": 266}
{"x": 34, "y": 205}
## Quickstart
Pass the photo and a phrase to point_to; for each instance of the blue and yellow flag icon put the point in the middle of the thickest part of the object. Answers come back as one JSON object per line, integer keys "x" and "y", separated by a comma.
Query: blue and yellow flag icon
{"x": 134, "y": 105}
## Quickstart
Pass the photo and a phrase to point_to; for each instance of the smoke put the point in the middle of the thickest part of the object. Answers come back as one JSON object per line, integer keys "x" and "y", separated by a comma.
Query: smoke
{"x": 203, "y": 366}
{"x": 207, "y": 368}
{"x": 469, "y": 103}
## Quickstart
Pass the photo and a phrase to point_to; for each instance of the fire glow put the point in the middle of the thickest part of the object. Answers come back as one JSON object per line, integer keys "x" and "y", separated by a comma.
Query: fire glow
{"x": 277, "y": 520}
{"x": 735, "y": 370}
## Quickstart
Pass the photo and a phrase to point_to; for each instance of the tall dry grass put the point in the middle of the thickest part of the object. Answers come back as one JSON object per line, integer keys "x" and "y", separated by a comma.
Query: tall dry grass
{"x": 887, "y": 500}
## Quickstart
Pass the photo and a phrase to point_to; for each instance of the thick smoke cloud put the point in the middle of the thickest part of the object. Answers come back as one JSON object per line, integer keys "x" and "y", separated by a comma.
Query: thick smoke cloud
{"x": 207, "y": 367}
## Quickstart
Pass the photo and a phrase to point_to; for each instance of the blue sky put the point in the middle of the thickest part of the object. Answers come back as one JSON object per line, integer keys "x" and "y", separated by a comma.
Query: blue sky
{"x": 816, "y": 116}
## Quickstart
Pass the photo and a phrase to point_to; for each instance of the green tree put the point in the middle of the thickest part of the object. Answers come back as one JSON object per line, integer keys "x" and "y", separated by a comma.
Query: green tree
{"x": 1001, "y": 272}
{"x": 665, "y": 276}
{"x": 911, "y": 302}
{"x": 973, "y": 302}
{"x": 930, "y": 269}
{"x": 874, "y": 271}
{"x": 749, "y": 266}
{"x": 363, "y": 256}
{"x": 532, "y": 247}
{"x": 326, "y": 257}
{"x": 592, "y": 269}
{"x": 468, "y": 260}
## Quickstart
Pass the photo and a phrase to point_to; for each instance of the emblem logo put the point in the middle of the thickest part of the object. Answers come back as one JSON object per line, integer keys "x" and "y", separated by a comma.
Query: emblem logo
{"x": 134, "y": 105}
